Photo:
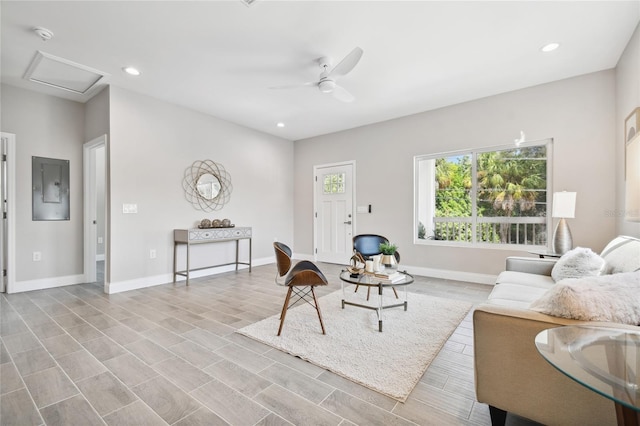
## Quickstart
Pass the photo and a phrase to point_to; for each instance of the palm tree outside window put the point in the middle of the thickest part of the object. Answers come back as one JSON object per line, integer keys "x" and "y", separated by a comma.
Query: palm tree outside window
{"x": 493, "y": 196}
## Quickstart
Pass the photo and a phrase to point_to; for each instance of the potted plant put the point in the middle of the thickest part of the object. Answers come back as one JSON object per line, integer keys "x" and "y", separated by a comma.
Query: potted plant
{"x": 388, "y": 251}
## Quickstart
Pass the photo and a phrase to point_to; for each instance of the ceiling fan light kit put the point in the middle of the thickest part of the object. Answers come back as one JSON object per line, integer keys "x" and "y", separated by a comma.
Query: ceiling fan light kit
{"x": 326, "y": 86}
{"x": 327, "y": 80}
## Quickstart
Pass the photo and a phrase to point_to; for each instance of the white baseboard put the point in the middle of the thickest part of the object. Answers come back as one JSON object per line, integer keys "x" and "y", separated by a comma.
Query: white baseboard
{"x": 447, "y": 274}
{"x": 118, "y": 287}
{"x": 22, "y": 286}
{"x": 300, "y": 256}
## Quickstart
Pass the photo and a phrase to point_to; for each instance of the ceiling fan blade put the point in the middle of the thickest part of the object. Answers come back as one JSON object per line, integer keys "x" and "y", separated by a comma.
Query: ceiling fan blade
{"x": 341, "y": 94}
{"x": 348, "y": 63}
{"x": 295, "y": 86}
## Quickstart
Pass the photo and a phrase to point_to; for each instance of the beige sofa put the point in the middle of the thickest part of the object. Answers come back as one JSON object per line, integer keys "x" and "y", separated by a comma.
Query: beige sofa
{"x": 510, "y": 374}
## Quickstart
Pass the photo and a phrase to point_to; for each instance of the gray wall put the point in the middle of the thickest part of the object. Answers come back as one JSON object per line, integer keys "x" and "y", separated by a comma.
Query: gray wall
{"x": 97, "y": 117}
{"x": 628, "y": 98}
{"x": 151, "y": 145}
{"x": 578, "y": 113}
{"x": 96, "y": 124}
{"x": 46, "y": 126}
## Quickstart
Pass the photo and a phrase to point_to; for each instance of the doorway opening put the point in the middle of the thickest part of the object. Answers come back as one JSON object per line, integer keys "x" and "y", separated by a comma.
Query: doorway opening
{"x": 8, "y": 215}
{"x": 95, "y": 211}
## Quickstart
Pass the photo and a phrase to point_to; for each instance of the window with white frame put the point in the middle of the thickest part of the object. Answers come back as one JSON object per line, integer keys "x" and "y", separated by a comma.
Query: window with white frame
{"x": 490, "y": 196}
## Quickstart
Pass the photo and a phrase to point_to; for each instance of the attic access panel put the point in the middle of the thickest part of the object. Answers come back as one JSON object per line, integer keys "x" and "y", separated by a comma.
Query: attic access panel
{"x": 63, "y": 74}
{"x": 50, "y": 183}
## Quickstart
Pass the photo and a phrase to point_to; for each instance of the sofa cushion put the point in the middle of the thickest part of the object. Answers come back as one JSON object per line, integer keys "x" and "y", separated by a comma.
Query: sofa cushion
{"x": 613, "y": 298}
{"x": 526, "y": 279}
{"x": 515, "y": 295}
{"x": 577, "y": 263}
{"x": 622, "y": 254}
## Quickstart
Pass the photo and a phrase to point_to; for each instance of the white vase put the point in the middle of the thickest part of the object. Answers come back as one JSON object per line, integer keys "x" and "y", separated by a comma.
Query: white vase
{"x": 377, "y": 263}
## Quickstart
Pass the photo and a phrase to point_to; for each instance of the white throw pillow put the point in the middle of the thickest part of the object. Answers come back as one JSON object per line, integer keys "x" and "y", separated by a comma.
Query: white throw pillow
{"x": 577, "y": 263}
{"x": 614, "y": 298}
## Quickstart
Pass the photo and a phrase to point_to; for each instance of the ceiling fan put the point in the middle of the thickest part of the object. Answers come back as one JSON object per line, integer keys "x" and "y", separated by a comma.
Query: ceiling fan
{"x": 328, "y": 76}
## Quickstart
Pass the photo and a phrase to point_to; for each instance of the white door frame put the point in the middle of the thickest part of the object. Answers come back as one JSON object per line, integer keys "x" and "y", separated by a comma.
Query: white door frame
{"x": 90, "y": 196}
{"x": 11, "y": 212}
{"x": 352, "y": 163}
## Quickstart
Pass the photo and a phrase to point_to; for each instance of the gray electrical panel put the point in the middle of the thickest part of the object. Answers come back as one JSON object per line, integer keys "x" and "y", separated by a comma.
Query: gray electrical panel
{"x": 50, "y": 182}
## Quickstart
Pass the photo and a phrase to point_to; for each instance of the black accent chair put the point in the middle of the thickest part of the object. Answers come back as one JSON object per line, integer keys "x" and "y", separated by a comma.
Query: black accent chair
{"x": 368, "y": 245}
{"x": 301, "y": 280}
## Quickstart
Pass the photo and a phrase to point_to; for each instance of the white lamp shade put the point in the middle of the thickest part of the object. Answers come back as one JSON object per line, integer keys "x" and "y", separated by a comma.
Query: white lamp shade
{"x": 564, "y": 204}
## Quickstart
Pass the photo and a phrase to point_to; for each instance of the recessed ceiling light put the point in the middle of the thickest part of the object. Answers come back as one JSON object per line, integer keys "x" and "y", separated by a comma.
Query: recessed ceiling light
{"x": 550, "y": 47}
{"x": 280, "y": 124}
{"x": 131, "y": 70}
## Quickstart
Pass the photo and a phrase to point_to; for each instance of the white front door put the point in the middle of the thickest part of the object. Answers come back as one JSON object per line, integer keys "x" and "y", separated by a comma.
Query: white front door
{"x": 333, "y": 205}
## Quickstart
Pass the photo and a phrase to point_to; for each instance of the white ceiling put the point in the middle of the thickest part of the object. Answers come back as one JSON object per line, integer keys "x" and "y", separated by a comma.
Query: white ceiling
{"x": 221, "y": 57}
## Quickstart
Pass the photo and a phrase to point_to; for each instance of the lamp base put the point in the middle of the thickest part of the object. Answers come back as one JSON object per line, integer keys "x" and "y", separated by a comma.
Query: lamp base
{"x": 562, "y": 241}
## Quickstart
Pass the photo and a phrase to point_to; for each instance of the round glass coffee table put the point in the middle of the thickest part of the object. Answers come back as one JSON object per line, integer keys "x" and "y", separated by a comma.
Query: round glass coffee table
{"x": 605, "y": 360}
{"x": 371, "y": 280}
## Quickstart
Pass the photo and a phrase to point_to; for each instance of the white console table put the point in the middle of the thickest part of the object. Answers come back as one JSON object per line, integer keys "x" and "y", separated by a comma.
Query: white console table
{"x": 190, "y": 237}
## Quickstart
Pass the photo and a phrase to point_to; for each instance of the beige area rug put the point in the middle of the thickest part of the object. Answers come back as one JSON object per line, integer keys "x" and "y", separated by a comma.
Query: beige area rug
{"x": 390, "y": 362}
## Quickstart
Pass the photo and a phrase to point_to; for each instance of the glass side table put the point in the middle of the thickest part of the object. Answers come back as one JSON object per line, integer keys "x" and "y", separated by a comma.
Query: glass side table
{"x": 543, "y": 254}
{"x": 605, "y": 360}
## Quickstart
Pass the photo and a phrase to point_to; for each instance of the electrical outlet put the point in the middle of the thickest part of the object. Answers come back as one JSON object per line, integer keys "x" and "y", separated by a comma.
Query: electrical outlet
{"x": 152, "y": 254}
{"x": 37, "y": 256}
{"x": 99, "y": 240}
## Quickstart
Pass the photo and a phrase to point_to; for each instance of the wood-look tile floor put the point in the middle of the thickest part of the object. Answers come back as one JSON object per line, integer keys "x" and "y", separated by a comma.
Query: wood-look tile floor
{"x": 169, "y": 355}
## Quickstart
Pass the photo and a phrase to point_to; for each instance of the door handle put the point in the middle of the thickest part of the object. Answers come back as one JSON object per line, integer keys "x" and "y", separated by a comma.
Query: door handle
{"x": 347, "y": 223}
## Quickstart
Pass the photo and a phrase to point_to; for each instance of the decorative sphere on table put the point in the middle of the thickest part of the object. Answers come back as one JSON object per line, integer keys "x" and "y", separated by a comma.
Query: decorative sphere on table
{"x": 356, "y": 264}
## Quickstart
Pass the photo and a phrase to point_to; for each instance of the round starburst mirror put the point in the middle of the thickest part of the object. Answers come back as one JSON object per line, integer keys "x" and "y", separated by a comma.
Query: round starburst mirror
{"x": 207, "y": 185}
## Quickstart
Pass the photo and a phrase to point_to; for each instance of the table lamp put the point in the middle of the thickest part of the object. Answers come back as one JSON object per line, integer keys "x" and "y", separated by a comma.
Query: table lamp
{"x": 564, "y": 206}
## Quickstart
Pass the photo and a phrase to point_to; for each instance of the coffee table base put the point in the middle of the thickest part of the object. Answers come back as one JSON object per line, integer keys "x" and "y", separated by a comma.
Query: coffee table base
{"x": 378, "y": 309}
{"x": 345, "y": 277}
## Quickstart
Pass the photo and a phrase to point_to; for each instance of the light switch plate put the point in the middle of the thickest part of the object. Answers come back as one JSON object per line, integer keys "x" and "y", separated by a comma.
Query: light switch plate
{"x": 362, "y": 209}
{"x": 129, "y": 208}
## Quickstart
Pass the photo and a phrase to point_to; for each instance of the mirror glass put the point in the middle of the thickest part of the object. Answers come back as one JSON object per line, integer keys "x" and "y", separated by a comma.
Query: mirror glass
{"x": 208, "y": 186}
